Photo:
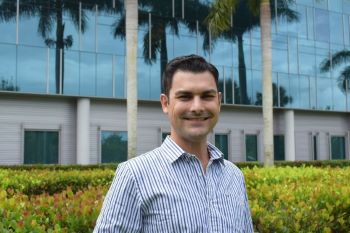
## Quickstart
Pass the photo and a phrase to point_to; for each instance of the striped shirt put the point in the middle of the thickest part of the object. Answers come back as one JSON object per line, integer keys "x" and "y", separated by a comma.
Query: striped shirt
{"x": 166, "y": 190}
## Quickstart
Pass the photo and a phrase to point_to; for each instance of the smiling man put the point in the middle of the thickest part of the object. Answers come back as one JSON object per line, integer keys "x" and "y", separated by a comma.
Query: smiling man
{"x": 185, "y": 185}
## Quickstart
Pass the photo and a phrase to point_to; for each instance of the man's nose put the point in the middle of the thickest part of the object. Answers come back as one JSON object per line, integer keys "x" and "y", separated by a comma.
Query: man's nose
{"x": 197, "y": 104}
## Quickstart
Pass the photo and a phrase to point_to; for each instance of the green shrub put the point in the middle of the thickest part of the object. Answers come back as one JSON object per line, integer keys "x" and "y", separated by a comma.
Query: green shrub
{"x": 307, "y": 199}
{"x": 34, "y": 182}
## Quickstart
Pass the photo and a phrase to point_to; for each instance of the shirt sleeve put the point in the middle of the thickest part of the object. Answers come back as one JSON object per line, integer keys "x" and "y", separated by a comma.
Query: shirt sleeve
{"x": 247, "y": 218}
{"x": 121, "y": 210}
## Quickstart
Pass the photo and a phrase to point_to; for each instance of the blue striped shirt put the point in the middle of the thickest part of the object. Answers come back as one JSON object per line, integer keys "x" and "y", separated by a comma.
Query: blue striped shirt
{"x": 166, "y": 190}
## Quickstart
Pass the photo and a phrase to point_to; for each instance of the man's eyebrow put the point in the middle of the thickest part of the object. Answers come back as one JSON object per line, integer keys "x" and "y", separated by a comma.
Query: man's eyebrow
{"x": 206, "y": 92}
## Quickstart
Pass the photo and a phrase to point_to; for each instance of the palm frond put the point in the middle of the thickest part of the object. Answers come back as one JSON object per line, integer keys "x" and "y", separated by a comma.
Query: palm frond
{"x": 337, "y": 59}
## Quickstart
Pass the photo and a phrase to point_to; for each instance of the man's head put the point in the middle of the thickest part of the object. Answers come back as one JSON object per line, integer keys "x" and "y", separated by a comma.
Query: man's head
{"x": 191, "y": 63}
{"x": 191, "y": 98}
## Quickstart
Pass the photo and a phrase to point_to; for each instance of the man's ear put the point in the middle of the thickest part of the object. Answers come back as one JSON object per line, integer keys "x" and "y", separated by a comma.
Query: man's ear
{"x": 164, "y": 101}
{"x": 220, "y": 98}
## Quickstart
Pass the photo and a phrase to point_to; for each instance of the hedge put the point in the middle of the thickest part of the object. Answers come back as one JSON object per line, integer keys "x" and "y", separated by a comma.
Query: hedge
{"x": 34, "y": 182}
{"x": 282, "y": 199}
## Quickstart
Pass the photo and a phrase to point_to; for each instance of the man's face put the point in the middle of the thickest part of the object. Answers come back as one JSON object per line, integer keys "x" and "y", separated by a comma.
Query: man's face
{"x": 193, "y": 106}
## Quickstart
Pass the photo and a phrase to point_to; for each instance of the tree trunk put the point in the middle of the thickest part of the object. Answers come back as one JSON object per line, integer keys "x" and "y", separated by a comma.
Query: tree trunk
{"x": 265, "y": 21}
{"x": 242, "y": 71}
{"x": 131, "y": 27}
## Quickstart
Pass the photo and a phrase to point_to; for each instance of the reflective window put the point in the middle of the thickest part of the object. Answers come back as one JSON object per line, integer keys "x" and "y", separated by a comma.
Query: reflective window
{"x": 87, "y": 74}
{"x": 284, "y": 95}
{"x": 8, "y": 24}
{"x": 104, "y": 75}
{"x": 346, "y": 29}
{"x": 278, "y": 144}
{"x": 307, "y": 59}
{"x": 279, "y": 54}
{"x": 322, "y": 28}
{"x": 185, "y": 42}
{"x": 336, "y": 5}
{"x": 221, "y": 142}
{"x": 31, "y": 69}
{"x": 71, "y": 75}
{"x": 114, "y": 146}
{"x": 336, "y": 28}
{"x": 88, "y": 32}
{"x": 338, "y": 147}
{"x": 109, "y": 33}
{"x": 304, "y": 92}
{"x": 324, "y": 94}
{"x": 119, "y": 76}
{"x": 41, "y": 147}
{"x": 257, "y": 88}
{"x": 302, "y": 25}
{"x": 251, "y": 147}
{"x": 8, "y": 68}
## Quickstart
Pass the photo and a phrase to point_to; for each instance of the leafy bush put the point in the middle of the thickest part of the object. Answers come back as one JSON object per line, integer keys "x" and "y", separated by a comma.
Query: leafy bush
{"x": 62, "y": 212}
{"x": 282, "y": 199}
{"x": 34, "y": 182}
{"x": 291, "y": 199}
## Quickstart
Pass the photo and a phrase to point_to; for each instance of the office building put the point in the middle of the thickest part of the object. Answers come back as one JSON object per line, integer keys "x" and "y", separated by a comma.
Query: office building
{"x": 63, "y": 78}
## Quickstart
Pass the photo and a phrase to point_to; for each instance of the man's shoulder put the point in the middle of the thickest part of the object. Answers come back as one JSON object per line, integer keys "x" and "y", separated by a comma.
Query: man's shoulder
{"x": 148, "y": 160}
{"x": 232, "y": 168}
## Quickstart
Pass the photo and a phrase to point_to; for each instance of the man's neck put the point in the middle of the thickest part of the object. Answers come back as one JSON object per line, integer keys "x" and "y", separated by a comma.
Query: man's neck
{"x": 197, "y": 148}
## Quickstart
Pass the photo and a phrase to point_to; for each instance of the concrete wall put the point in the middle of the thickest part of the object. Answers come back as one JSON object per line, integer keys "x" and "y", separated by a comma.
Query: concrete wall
{"x": 35, "y": 112}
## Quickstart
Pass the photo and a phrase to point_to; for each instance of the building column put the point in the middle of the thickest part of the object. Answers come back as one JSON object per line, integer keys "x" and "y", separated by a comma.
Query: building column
{"x": 289, "y": 135}
{"x": 83, "y": 131}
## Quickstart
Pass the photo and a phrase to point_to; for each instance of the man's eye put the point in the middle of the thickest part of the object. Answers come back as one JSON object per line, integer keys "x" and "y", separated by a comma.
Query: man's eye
{"x": 184, "y": 97}
{"x": 208, "y": 97}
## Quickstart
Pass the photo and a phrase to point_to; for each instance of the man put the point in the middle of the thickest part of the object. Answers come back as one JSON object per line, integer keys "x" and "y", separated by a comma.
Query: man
{"x": 185, "y": 185}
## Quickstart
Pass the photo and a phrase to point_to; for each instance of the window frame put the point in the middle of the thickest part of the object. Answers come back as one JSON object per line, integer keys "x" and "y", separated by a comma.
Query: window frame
{"x": 228, "y": 134}
{"x": 346, "y": 143}
{"x": 24, "y": 129}
{"x": 100, "y": 130}
{"x": 257, "y": 146}
{"x": 315, "y": 136}
{"x": 284, "y": 146}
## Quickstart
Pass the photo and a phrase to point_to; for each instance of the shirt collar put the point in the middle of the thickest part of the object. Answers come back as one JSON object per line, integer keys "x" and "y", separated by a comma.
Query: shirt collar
{"x": 173, "y": 151}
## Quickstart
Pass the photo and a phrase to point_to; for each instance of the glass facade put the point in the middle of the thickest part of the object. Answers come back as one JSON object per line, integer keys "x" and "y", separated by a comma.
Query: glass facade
{"x": 78, "y": 48}
{"x": 114, "y": 146}
{"x": 40, "y": 147}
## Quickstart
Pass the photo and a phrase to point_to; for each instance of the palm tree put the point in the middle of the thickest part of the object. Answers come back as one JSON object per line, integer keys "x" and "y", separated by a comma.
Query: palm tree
{"x": 160, "y": 22}
{"x": 219, "y": 21}
{"x": 278, "y": 93}
{"x": 131, "y": 29}
{"x": 244, "y": 19}
{"x": 50, "y": 14}
{"x": 336, "y": 60}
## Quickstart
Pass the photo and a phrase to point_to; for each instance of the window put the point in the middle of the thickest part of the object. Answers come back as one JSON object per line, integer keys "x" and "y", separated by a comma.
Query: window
{"x": 221, "y": 142}
{"x": 337, "y": 147}
{"x": 251, "y": 147}
{"x": 40, "y": 147}
{"x": 314, "y": 146}
{"x": 114, "y": 146}
{"x": 278, "y": 144}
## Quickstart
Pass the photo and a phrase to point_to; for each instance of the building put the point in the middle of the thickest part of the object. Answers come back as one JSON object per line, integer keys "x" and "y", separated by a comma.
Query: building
{"x": 62, "y": 78}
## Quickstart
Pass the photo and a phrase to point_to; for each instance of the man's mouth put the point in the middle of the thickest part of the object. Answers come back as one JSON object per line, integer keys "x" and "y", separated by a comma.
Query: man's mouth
{"x": 196, "y": 118}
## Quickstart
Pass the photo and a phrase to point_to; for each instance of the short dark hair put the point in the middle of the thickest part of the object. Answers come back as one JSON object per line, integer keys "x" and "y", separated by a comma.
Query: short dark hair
{"x": 192, "y": 63}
